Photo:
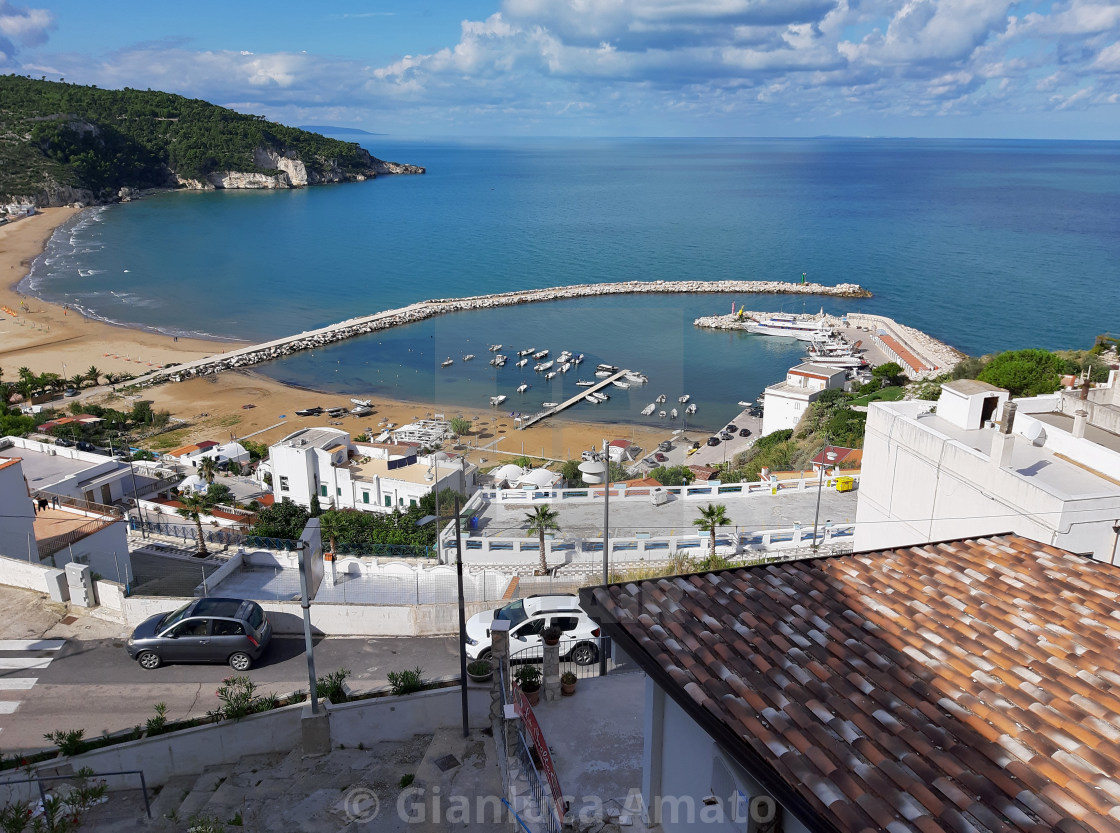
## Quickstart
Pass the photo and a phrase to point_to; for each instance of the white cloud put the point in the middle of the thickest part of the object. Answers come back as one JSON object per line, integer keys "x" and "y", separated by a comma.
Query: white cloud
{"x": 21, "y": 27}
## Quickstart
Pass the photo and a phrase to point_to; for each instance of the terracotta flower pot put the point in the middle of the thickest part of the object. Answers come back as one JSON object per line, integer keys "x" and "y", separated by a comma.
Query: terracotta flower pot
{"x": 532, "y": 695}
{"x": 567, "y": 689}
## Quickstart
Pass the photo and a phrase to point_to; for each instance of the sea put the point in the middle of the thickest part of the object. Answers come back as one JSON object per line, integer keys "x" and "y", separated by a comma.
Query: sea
{"x": 987, "y": 245}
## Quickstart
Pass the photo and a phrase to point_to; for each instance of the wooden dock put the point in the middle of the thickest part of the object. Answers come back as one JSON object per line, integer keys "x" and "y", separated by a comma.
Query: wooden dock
{"x": 579, "y": 397}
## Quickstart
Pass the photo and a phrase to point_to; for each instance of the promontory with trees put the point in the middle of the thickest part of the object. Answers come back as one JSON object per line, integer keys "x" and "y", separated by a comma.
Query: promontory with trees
{"x": 62, "y": 143}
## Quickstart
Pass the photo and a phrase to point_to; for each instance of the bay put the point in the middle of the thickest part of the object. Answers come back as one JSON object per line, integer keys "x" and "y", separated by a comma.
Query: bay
{"x": 987, "y": 245}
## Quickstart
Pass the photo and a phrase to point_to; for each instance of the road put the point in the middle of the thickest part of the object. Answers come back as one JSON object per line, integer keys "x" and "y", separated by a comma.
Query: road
{"x": 93, "y": 685}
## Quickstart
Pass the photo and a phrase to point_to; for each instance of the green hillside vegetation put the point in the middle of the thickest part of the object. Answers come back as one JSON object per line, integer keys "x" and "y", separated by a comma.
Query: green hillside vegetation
{"x": 85, "y": 137}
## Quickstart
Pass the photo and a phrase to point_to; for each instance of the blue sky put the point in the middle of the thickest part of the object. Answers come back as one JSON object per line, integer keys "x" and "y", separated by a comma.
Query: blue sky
{"x": 939, "y": 68}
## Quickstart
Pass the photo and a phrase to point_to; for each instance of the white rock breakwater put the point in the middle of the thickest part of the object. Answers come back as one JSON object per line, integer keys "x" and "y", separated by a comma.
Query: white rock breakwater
{"x": 258, "y": 353}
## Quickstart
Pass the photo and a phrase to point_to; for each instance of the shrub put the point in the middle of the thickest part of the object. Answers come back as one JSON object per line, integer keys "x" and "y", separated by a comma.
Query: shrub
{"x": 331, "y": 687}
{"x": 158, "y": 725}
{"x": 568, "y": 678}
{"x": 479, "y": 667}
{"x": 239, "y": 699}
{"x": 407, "y": 681}
{"x": 528, "y": 677}
{"x": 69, "y": 741}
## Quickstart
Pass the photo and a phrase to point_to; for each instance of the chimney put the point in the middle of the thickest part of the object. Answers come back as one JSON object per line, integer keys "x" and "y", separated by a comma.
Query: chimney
{"x": 1003, "y": 443}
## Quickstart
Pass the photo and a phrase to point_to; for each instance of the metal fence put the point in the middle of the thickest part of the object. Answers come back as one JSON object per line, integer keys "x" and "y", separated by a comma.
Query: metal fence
{"x": 189, "y": 532}
{"x": 387, "y": 550}
{"x": 545, "y": 816}
{"x": 576, "y": 658}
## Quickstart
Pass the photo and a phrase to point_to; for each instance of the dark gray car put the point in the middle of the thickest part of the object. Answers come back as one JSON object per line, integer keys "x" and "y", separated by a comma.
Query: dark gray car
{"x": 203, "y": 630}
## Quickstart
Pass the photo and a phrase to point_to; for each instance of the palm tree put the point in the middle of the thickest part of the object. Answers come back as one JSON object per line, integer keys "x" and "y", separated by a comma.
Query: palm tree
{"x": 192, "y": 506}
{"x": 93, "y": 374}
{"x": 544, "y": 518}
{"x": 711, "y": 517}
{"x": 207, "y": 469}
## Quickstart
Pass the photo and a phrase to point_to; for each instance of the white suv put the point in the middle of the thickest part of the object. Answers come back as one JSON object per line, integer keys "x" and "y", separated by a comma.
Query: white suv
{"x": 579, "y": 640}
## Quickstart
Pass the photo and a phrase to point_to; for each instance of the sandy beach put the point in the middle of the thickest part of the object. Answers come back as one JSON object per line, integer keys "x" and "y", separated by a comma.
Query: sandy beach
{"x": 48, "y": 338}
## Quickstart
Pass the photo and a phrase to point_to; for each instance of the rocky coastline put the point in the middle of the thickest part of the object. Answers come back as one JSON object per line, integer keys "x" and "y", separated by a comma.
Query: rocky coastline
{"x": 256, "y": 354}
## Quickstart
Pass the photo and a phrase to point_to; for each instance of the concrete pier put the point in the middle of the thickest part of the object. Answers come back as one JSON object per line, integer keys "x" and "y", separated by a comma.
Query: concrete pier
{"x": 579, "y": 397}
{"x": 353, "y": 327}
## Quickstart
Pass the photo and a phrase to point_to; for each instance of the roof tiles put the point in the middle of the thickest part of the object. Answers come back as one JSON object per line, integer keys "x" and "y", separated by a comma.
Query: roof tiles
{"x": 968, "y": 685}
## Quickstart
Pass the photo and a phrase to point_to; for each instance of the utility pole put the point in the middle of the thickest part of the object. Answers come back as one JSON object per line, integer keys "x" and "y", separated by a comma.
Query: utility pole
{"x": 606, "y": 541}
{"x": 462, "y": 618}
{"x": 825, "y": 455}
{"x": 308, "y": 645}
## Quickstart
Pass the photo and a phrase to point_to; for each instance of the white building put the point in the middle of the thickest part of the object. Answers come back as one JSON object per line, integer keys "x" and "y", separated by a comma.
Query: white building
{"x": 373, "y": 477}
{"x": 225, "y": 453}
{"x": 66, "y": 471}
{"x": 1049, "y": 472}
{"x": 785, "y": 402}
{"x": 18, "y": 527}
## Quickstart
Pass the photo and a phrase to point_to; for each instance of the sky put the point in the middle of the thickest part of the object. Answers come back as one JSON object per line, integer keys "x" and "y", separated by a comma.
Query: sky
{"x": 416, "y": 68}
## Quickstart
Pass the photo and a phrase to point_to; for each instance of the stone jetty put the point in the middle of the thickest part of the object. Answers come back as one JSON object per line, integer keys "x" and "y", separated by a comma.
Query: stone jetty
{"x": 353, "y": 327}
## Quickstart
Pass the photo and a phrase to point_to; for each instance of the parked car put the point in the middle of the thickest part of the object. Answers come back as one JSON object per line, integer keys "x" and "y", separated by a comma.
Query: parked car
{"x": 86, "y": 445}
{"x": 70, "y": 392}
{"x": 713, "y": 440}
{"x": 696, "y": 445}
{"x": 725, "y": 435}
{"x": 659, "y": 457}
{"x": 203, "y": 630}
{"x": 744, "y": 432}
{"x": 665, "y": 445}
{"x": 65, "y": 443}
{"x": 732, "y": 428}
{"x": 528, "y": 618}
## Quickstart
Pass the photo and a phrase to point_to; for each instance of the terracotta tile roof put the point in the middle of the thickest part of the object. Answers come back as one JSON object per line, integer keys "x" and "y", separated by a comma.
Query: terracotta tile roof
{"x": 913, "y": 363}
{"x": 704, "y": 472}
{"x": 967, "y": 685}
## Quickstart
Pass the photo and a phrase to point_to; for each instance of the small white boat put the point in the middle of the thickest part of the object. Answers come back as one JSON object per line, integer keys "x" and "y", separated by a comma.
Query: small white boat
{"x": 540, "y": 354}
{"x": 661, "y": 414}
{"x": 691, "y": 409}
{"x": 361, "y": 410}
{"x": 497, "y": 400}
{"x": 583, "y": 383}
{"x": 648, "y": 409}
{"x": 609, "y": 367}
{"x": 494, "y": 348}
{"x": 603, "y": 374}
{"x": 468, "y": 357}
{"x": 522, "y": 388}
{"x": 362, "y": 403}
{"x": 578, "y": 359}
{"x": 527, "y": 352}
{"x": 602, "y": 397}
{"x": 542, "y": 367}
{"x": 565, "y": 367}
{"x": 523, "y": 362}
{"x": 683, "y": 399}
{"x": 673, "y": 414}
{"x": 660, "y": 399}
{"x": 550, "y": 375}
{"x": 636, "y": 378}
{"x": 564, "y": 356}
{"x": 549, "y": 404}
{"x": 618, "y": 383}
{"x": 446, "y": 362}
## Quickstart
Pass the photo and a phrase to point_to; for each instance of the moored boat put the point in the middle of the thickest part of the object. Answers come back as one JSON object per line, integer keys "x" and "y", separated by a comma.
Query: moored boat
{"x": 683, "y": 399}
{"x": 446, "y": 362}
{"x": 691, "y": 409}
{"x": 523, "y": 362}
{"x": 527, "y": 352}
{"x": 792, "y": 326}
{"x": 603, "y": 374}
{"x": 497, "y": 400}
{"x": 648, "y": 409}
{"x": 468, "y": 357}
{"x": 618, "y": 383}
{"x": 550, "y": 375}
{"x": 494, "y": 348}
{"x": 540, "y": 354}
{"x": 660, "y": 399}
{"x": 549, "y": 404}
{"x": 522, "y": 388}
{"x": 673, "y": 414}
{"x": 365, "y": 403}
{"x": 542, "y": 367}
{"x": 583, "y": 383}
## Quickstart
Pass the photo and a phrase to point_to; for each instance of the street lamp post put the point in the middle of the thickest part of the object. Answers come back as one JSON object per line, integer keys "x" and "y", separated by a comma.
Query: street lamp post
{"x": 606, "y": 540}
{"x": 135, "y": 494}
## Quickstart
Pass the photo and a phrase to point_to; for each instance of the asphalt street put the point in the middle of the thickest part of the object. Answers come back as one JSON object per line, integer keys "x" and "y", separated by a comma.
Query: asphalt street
{"x": 94, "y": 686}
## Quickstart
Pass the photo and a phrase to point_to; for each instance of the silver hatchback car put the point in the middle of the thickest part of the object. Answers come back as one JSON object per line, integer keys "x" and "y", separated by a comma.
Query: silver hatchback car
{"x": 203, "y": 630}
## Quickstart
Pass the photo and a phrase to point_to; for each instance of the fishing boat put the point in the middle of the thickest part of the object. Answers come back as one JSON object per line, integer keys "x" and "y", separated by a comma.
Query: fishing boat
{"x": 550, "y": 375}
{"x": 468, "y": 357}
{"x": 522, "y": 362}
{"x": 310, "y": 411}
{"x": 497, "y": 400}
{"x": 691, "y": 409}
{"x": 446, "y": 362}
{"x": 583, "y": 383}
{"x": 636, "y": 378}
{"x": 683, "y": 399}
{"x": 494, "y": 348}
{"x": 673, "y": 414}
{"x": 361, "y": 410}
{"x": 649, "y": 409}
{"x": 522, "y": 388}
{"x": 578, "y": 359}
{"x": 364, "y": 403}
{"x": 659, "y": 400}
{"x": 336, "y": 411}
{"x": 661, "y": 414}
{"x": 540, "y": 354}
{"x": 618, "y": 383}
{"x": 609, "y": 367}
{"x": 542, "y": 367}
{"x": 527, "y": 352}
{"x": 549, "y": 404}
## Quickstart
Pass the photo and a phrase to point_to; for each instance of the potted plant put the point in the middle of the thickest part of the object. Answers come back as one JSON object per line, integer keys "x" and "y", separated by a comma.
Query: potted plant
{"x": 567, "y": 683}
{"x": 480, "y": 671}
{"x": 551, "y": 635}
{"x": 529, "y": 681}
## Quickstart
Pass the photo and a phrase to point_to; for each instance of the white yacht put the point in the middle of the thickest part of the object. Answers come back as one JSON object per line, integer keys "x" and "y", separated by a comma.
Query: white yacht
{"x": 542, "y": 367}
{"x": 583, "y": 383}
{"x": 523, "y": 362}
{"x": 527, "y": 352}
{"x": 648, "y": 409}
{"x": 497, "y": 400}
{"x": 550, "y": 375}
{"x": 494, "y": 348}
{"x": 549, "y": 404}
{"x": 522, "y": 388}
{"x": 781, "y": 324}
{"x": 362, "y": 403}
{"x": 618, "y": 383}
{"x": 603, "y": 374}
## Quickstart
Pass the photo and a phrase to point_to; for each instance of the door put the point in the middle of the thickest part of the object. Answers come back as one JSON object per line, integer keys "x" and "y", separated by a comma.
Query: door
{"x": 227, "y": 636}
{"x": 106, "y": 495}
{"x": 525, "y": 640}
{"x": 188, "y": 641}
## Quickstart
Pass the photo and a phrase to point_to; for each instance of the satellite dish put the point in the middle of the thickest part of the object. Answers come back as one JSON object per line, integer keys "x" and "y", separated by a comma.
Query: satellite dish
{"x": 1035, "y": 433}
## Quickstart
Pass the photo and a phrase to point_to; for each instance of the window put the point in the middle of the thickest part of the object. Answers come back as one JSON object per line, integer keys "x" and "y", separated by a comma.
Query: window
{"x": 565, "y": 623}
{"x": 411, "y": 503}
{"x": 193, "y": 627}
{"x": 388, "y": 500}
{"x": 323, "y": 490}
{"x": 227, "y": 627}
{"x": 338, "y": 491}
{"x": 531, "y": 628}
{"x": 365, "y": 497}
{"x": 283, "y": 483}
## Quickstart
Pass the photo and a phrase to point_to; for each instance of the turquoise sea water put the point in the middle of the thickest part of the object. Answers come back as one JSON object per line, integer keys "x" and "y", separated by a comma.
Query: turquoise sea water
{"x": 986, "y": 244}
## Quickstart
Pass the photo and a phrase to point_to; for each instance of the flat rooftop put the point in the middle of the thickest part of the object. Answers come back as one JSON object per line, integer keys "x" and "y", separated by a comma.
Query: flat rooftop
{"x": 760, "y": 510}
{"x": 44, "y": 470}
{"x": 314, "y": 438}
{"x": 374, "y": 467}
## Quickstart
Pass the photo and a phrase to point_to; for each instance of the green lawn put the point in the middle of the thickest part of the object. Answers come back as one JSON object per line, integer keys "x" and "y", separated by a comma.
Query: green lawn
{"x": 890, "y": 394}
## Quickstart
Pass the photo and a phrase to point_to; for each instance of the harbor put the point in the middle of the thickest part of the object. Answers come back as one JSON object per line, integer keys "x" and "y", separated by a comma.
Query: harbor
{"x": 583, "y": 394}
